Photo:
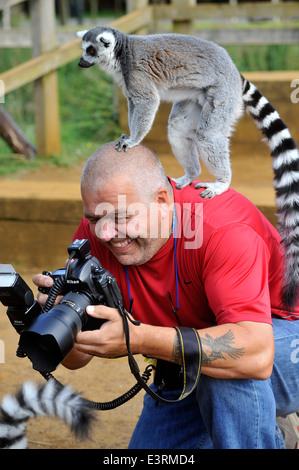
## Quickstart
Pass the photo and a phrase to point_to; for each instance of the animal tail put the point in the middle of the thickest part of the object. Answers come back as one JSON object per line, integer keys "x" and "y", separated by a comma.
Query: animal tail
{"x": 285, "y": 165}
{"x": 43, "y": 400}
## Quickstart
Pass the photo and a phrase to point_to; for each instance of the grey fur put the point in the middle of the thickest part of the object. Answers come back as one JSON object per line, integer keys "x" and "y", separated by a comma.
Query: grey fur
{"x": 181, "y": 69}
{"x": 41, "y": 400}
{"x": 209, "y": 96}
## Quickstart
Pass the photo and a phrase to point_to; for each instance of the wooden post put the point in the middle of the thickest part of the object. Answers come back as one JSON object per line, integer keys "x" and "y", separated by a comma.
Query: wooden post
{"x": 64, "y": 11}
{"x": 184, "y": 26}
{"x": 94, "y": 8}
{"x": 133, "y": 5}
{"x": 6, "y": 18}
{"x": 46, "y": 88}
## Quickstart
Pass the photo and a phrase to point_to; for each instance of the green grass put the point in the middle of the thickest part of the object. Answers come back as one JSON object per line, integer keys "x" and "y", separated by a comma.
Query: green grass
{"x": 265, "y": 57}
{"x": 87, "y": 113}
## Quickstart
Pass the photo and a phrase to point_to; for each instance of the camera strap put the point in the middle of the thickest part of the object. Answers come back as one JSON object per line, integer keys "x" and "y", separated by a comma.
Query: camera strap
{"x": 191, "y": 354}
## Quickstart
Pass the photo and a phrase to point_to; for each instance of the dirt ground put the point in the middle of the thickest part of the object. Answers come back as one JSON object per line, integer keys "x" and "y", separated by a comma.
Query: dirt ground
{"x": 102, "y": 380}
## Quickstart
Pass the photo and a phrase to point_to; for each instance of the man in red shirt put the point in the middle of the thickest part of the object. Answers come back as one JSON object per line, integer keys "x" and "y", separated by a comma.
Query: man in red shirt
{"x": 210, "y": 264}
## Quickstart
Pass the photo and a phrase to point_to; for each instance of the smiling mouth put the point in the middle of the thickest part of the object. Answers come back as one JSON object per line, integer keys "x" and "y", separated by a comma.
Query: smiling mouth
{"x": 122, "y": 243}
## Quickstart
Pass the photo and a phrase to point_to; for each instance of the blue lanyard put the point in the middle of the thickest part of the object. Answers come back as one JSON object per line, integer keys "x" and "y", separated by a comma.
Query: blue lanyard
{"x": 173, "y": 233}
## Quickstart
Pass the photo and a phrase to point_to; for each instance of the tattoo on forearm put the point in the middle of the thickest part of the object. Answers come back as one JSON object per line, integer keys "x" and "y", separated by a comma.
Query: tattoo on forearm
{"x": 176, "y": 351}
{"x": 220, "y": 346}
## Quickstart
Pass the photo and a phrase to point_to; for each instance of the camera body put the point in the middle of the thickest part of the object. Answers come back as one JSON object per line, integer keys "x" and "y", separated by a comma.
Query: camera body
{"x": 47, "y": 335}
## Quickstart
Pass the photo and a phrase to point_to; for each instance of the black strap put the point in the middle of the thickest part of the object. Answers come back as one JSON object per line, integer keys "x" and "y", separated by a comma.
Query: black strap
{"x": 191, "y": 353}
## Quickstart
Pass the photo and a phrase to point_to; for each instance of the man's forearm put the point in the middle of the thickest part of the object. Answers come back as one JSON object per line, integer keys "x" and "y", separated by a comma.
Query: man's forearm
{"x": 76, "y": 360}
{"x": 233, "y": 350}
{"x": 236, "y": 350}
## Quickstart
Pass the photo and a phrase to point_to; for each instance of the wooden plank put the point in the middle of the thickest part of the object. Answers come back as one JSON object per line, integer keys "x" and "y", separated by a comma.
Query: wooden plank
{"x": 39, "y": 66}
{"x": 272, "y": 76}
{"x": 286, "y": 10}
{"x": 10, "y": 3}
{"x": 249, "y": 36}
{"x": 225, "y": 36}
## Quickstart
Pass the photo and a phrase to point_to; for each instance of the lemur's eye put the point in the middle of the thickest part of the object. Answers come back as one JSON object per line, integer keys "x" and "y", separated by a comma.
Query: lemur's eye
{"x": 90, "y": 50}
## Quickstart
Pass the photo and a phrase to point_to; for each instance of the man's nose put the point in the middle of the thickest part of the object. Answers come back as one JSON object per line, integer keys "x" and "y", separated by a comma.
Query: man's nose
{"x": 105, "y": 230}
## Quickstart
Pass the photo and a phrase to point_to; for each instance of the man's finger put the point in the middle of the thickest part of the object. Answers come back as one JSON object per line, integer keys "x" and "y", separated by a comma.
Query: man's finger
{"x": 101, "y": 311}
{"x": 41, "y": 280}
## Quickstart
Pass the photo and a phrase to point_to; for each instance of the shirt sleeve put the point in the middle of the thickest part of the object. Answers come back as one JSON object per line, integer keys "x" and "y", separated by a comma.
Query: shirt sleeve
{"x": 235, "y": 275}
{"x": 83, "y": 231}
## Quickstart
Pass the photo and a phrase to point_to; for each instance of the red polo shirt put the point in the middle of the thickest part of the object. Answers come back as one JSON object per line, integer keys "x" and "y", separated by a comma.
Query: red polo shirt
{"x": 229, "y": 265}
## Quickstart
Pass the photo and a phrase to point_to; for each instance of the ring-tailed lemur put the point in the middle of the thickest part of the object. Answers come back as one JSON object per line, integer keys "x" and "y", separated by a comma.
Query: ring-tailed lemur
{"x": 44, "y": 400}
{"x": 209, "y": 95}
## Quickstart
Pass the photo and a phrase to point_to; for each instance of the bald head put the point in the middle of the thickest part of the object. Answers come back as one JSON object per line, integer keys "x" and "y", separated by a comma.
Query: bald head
{"x": 139, "y": 166}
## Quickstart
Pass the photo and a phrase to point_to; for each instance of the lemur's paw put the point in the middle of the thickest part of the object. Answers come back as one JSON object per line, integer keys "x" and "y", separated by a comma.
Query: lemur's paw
{"x": 123, "y": 143}
{"x": 182, "y": 181}
{"x": 212, "y": 189}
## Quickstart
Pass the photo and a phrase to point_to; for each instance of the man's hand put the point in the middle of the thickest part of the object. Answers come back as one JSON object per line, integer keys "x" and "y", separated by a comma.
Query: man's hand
{"x": 40, "y": 280}
{"x": 108, "y": 341}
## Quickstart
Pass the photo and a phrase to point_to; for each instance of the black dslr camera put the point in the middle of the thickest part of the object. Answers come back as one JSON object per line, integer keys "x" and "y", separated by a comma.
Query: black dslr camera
{"x": 47, "y": 335}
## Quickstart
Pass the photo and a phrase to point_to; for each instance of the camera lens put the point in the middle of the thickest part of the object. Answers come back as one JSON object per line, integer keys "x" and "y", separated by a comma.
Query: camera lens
{"x": 45, "y": 343}
{"x": 52, "y": 335}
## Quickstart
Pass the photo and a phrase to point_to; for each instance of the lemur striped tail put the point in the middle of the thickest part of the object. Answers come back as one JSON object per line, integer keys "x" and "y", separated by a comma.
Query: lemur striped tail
{"x": 285, "y": 165}
{"x": 43, "y": 400}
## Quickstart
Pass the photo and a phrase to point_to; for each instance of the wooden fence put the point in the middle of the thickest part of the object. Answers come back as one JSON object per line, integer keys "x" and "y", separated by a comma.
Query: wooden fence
{"x": 48, "y": 57}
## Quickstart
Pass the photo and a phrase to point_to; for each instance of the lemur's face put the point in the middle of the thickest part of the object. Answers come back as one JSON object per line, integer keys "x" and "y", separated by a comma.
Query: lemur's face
{"x": 97, "y": 47}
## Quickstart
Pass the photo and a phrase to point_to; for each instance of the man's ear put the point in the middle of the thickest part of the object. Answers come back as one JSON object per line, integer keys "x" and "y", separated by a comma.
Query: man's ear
{"x": 164, "y": 201}
{"x": 162, "y": 196}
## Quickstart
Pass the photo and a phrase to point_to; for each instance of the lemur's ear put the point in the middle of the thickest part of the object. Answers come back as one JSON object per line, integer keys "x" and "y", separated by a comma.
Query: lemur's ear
{"x": 80, "y": 34}
{"x": 106, "y": 38}
{"x": 105, "y": 42}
